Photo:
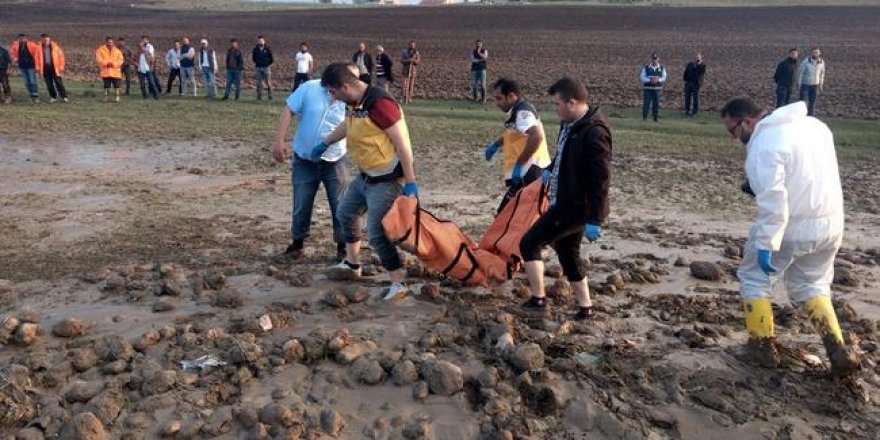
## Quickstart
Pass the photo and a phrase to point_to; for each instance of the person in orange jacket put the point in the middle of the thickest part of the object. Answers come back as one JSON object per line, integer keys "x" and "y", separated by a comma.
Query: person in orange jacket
{"x": 25, "y": 52}
{"x": 50, "y": 62}
{"x": 110, "y": 61}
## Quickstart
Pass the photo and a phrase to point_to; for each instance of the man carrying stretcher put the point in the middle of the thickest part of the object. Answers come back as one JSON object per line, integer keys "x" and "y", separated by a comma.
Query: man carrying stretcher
{"x": 579, "y": 179}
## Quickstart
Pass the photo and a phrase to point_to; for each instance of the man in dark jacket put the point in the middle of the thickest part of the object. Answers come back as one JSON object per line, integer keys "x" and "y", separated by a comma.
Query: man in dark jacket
{"x": 384, "y": 76}
{"x": 131, "y": 62}
{"x": 5, "y": 61}
{"x": 579, "y": 179}
{"x": 784, "y": 77}
{"x": 693, "y": 80}
{"x": 364, "y": 61}
{"x": 262, "y": 57}
{"x": 234, "y": 66}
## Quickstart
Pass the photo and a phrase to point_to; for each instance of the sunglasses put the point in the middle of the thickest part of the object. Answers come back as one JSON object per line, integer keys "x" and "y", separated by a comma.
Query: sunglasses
{"x": 732, "y": 130}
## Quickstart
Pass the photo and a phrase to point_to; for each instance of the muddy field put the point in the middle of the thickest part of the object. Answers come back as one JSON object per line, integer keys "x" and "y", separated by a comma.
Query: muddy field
{"x": 121, "y": 258}
{"x": 606, "y": 46}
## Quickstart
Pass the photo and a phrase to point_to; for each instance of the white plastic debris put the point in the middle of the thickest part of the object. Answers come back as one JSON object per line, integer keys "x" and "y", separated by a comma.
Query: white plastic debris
{"x": 812, "y": 360}
{"x": 202, "y": 363}
{"x": 265, "y": 323}
{"x": 504, "y": 342}
{"x": 587, "y": 359}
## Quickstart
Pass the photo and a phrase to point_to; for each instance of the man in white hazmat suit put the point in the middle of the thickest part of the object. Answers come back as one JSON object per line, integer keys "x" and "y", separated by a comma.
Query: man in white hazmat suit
{"x": 791, "y": 167}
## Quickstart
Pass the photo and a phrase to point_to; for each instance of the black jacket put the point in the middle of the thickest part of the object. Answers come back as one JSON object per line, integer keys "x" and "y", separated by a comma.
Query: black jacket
{"x": 262, "y": 56}
{"x": 585, "y": 171}
{"x": 368, "y": 60}
{"x": 694, "y": 73}
{"x": 234, "y": 59}
{"x": 785, "y": 72}
{"x": 5, "y": 60}
{"x": 386, "y": 62}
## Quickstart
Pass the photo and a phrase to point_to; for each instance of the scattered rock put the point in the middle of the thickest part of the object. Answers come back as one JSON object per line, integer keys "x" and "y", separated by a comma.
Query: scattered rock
{"x": 220, "y": 422}
{"x": 733, "y": 251}
{"x": 171, "y": 428}
{"x": 420, "y": 390}
{"x": 163, "y": 305}
{"x": 171, "y": 288}
{"x": 339, "y": 340}
{"x": 367, "y": 371}
{"x": 357, "y": 294}
{"x": 418, "y": 429}
{"x": 404, "y": 373}
{"x": 616, "y": 280}
{"x": 113, "y": 348}
{"x": 139, "y": 421}
{"x": 228, "y": 298}
{"x": 83, "y": 359}
{"x": 115, "y": 367}
{"x": 159, "y": 382}
{"x": 214, "y": 281}
{"x": 107, "y": 406}
{"x": 276, "y": 414}
{"x": 431, "y": 291}
{"x": 706, "y": 270}
{"x": 29, "y": 314}
{"x": 27, "y": 333}
{"x": 559, "y": 292}
{"x": 353, "y": 352}
{"x": 443, "y": 378}
{"x": 336, "y": 298}
{"x": 84, "y": 426}
{"x": 293, "y": 351}
{"x": 81, "y": 391}
{"x": 69, "y": 328}
{"x": 245, "y": 352}
{"x": 845, "y": 277}
{"x": 29, "y": 434}
{"x": 681, "y": 262}
{"x": 147, "y": 340}
{"x": 553, "y": 271}
{"x": 332, "y": 422}
{"x": 527, "y": 357}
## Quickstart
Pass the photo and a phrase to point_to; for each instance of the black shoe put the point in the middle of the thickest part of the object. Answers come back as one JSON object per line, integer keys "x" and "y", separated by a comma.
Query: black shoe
{"x": 535, "y": 304}
{"x": 340, "y": 251}
{"x": 584, "y": 313}
{"x": 295, "y": 250}
{"x": 225, "y": 98}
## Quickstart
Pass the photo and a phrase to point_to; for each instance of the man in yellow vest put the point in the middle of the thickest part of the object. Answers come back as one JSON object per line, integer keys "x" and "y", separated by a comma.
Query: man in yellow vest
{"x": 378, "y": 144}
{"x": 522, "y": 142}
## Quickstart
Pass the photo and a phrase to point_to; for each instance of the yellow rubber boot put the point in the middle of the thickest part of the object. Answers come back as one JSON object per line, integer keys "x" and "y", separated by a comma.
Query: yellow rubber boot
{"x": 822, "y": 315}
{"x": 759, "y": 318}
{"x": 844, "y": 360}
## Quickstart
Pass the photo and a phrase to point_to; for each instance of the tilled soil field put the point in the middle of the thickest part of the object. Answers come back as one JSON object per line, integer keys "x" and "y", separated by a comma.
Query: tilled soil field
{"x": 605, "y": 46}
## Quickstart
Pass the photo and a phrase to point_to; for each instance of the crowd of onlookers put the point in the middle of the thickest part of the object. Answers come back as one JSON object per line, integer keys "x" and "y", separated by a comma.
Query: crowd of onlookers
{"x": 119, "y": 64}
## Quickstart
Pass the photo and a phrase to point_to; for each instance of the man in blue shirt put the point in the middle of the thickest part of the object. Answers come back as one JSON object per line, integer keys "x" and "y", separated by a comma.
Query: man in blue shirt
{"x": 318, "y": 116}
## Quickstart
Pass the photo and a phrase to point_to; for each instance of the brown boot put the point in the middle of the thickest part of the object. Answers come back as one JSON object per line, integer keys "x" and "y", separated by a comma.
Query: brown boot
{"x": 763, "y": 352}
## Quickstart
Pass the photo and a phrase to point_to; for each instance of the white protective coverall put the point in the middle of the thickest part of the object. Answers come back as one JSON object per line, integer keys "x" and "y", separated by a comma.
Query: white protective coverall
{"x": 791, "y": 166}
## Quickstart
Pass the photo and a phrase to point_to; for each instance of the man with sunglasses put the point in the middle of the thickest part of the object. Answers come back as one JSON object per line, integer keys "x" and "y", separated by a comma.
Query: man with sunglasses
{"x": 791, "y": 166}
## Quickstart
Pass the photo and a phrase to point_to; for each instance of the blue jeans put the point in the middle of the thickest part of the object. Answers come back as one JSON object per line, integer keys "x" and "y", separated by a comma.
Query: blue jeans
{"x": 148, "y": 82}
{"x": 374, "y": 200}
{"x": 478, "y": 83}
{"x": 307, "y": 177}
{"x": 30, "y": 81}
{"x": 210, "y": 84}
{"x": 187, "y": 76}
{"x": 651, "y": 98}
{"x": 811, "y": 95}
{"x": 233, "y": 77}
{"x": 783, "y": 95}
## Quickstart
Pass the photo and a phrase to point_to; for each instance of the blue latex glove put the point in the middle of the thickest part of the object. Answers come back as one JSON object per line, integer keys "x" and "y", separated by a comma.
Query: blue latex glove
{"x": 592, "y": 232}
{"x": 545, "y": 176}
{"x": 491, "y": 149}
{"x": 411, "y": 189}
{"x": 516, "y": 175}
{"x": 765, "y": 259}
{"x": 317, "y": 151}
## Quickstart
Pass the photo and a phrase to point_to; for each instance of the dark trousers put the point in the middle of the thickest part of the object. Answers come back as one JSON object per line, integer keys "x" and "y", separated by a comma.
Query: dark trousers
{"x": 54, "y": 83}
{"x": 811, "y": 95}
{"x": 564, "y": 237}
{"x": 531, "y": 175}
{"x": 783, "y": 95}
{"x": 692, "y": 96}
{"x": 4, "y": 85}
{"x": 298, "y": 79}
{"x": 126, "y": 75}
{"x": 174, "y": 73}
{"x": 233, "y": 78}
{"x": 651, "y": 98}
{"x": 147, "y": 82}
{"x": 366, "y": 77}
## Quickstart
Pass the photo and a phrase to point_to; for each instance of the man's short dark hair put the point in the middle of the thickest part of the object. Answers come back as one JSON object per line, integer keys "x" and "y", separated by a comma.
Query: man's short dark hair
{"x": 793, "y": 49}
{"x": 108, "y": 38}
{"x": 815, "y": 48}
{"x": 260, "y": 36}
{"x": 568, "y": 89}
{"x": 44, "y": 35}
{"x": 233, "y": 40}
{"x": 145, "y": 37}
{"x": 337, "y": 74}
{"x": 741, "y": 107}
{"x": 506, "y": 86}
{"x": 120, "y": 39}
{"x": 22, "y": 35}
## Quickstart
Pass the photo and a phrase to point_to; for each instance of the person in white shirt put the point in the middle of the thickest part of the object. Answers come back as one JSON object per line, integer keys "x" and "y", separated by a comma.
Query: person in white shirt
{"x": 305, "y": 65}
{"x": 208, "y": 65}
{"x": 172, "y": 58}
{"x": 791, "y": 166}
{"x": 146, "y": 60}
{"x": 811, "y": 79}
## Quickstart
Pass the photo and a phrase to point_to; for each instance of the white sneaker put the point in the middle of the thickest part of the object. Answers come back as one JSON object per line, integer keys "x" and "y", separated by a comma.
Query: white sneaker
{"x": 65, "y": 100}
{"x": 52, "y": 100}
{"x": 396, "y": 292}
{"x": 343, "y": 272}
